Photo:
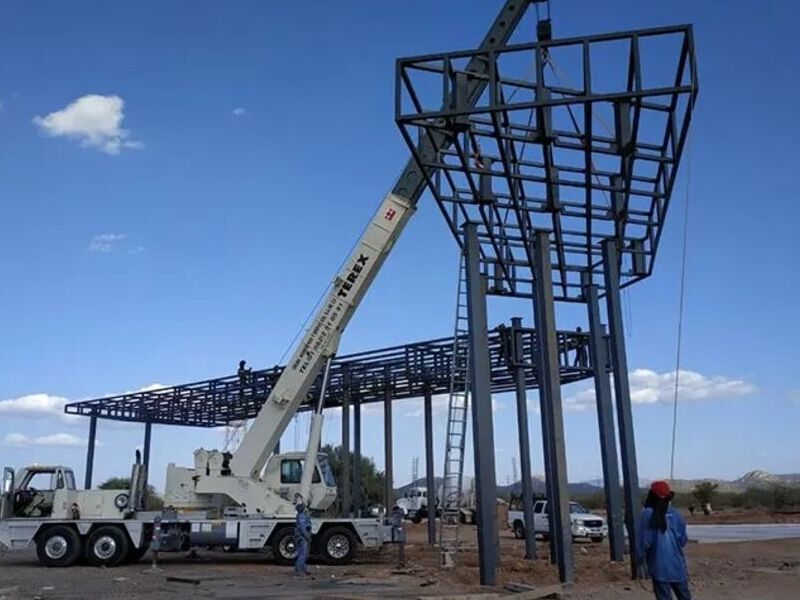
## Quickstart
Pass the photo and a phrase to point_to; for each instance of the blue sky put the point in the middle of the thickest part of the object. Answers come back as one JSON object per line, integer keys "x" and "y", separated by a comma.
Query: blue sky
{"x": 239, "y": 148}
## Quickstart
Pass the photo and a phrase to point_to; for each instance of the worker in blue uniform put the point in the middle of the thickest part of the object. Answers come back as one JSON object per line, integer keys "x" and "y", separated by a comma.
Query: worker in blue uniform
{"x": 662, "y": 538}
{"x": 302, "y": 536}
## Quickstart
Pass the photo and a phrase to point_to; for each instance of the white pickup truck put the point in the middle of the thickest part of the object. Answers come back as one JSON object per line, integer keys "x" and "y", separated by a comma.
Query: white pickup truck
{"x": 583, "y": 523}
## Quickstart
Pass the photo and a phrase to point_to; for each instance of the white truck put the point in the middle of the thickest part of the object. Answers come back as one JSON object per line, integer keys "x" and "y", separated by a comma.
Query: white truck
{"x": 414, "y": 503}
{"x": 583, "y": 523}
{"x": 244, "y": 500}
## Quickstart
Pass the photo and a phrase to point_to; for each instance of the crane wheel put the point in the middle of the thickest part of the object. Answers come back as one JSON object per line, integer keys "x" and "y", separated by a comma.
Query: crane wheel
{"x": 338, "y": 545}
{"x": 284, "y": 549}
{"x": 58, "y": 546}
{"x": 107, "y": 547}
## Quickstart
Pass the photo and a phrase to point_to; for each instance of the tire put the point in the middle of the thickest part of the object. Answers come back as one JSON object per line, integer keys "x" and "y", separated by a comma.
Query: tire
{"x": 284, "y": 549}
{"x": 418, "y": 516}
{"x": 598, "y": 539}
{"x": 107, "y": 547}
{"x": 58, "y": 546}
{"x": 519, "y": 530}
{"x": 338, "y": 545}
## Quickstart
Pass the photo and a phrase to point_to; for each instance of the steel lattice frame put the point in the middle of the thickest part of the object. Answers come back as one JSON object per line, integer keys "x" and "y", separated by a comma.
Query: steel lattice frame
{"x": 410, "y": 369}
{"x": 585, "y": 161}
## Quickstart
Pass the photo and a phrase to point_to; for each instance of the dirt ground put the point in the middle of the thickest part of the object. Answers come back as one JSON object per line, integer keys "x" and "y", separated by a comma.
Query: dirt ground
{"x": 730, "y": 571}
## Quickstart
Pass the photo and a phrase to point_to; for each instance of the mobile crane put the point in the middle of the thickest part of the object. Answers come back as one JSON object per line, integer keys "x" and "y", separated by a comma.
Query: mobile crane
{"x": 242, "y": 501}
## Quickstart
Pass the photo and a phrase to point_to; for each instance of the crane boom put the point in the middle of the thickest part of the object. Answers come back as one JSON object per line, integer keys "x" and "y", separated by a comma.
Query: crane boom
{"x": 322, "y": 338}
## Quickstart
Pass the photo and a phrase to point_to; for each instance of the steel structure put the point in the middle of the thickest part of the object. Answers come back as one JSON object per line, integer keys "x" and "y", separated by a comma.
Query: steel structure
{"x": 579, "y": 136}
{"x": 406, "y": 371}
{"x": 555, "y": 183}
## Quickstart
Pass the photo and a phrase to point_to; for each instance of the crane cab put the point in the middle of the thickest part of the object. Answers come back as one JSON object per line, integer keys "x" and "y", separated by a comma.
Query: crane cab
{"x": 32, "y": 492}
{"x": 284, "y": 473}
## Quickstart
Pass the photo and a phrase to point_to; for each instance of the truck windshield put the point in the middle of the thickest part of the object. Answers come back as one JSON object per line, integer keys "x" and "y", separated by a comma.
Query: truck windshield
{"x": 327, "y": 473}
{"x": 575, "y": 508}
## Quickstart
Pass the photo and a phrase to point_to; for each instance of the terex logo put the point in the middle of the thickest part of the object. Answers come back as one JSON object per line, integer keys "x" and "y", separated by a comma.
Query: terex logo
{"x": 353, "y": 275}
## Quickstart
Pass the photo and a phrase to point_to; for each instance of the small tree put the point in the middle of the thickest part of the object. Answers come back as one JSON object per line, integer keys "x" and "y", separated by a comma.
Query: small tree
{"x": 153, "y": 502}
{"x": 371, "y": 479}
{"x": 704, "y": 492}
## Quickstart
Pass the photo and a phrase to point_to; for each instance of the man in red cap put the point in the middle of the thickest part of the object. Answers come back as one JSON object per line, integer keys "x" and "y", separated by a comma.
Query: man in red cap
{"x": 662, "y": 538}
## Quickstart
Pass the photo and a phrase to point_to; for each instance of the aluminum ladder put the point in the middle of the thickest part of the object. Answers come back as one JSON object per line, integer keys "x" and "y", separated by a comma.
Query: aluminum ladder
{"x": 457, "y": 416}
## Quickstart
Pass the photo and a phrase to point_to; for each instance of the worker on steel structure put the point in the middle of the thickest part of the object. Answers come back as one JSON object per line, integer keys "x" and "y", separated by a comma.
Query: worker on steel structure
{"x": 245, "y": 375}
{"x": 662, "y": 538}
{"x": 302, "y": 536}
{"x": 244, "y": 372}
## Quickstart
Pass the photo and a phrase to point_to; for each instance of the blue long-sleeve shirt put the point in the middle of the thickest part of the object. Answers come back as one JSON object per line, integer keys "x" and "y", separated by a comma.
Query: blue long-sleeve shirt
{"x": 663, "y": 550}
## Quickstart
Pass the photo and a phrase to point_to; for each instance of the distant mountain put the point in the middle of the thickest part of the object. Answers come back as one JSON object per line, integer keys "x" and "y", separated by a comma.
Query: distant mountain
{"x": 753, "y": 479}
{"x": 757, "y": 479}
{"x": 575, "y": 489}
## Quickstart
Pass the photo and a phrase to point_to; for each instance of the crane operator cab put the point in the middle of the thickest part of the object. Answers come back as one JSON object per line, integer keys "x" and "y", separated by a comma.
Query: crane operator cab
{"x": 32, "y": 492}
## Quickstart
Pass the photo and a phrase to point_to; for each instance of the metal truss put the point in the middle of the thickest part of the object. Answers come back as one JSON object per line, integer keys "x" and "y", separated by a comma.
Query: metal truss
{"x": 406, "y": 371}
{"x": 581, "y": 137}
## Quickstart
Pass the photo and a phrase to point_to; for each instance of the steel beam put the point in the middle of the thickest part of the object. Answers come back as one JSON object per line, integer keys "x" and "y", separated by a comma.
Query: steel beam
{"x": 482, "y": 421}
{"x": 87, "y": 484}
{"x": 430, "y": 481}
{"x": 388, "y": 440}
{"x": 357, "y": 456}
{"x": 558, "y": 502}
{"x": 346, "y": 507}
{"x": 619, "y": 362}
{"x": 518, "y": 366}
{"x": 605, "y": 417}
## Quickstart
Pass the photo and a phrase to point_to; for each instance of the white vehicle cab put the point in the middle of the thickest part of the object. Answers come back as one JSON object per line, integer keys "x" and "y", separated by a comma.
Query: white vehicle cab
{"x": 583, "y": 523}
{"x": 414, "y": 503}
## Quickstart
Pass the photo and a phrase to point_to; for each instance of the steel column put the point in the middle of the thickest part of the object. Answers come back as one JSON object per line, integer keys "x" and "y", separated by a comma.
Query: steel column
{"x": 430, "y": 480}
{"x": 544, "y": 413}
{"x": 619, "y": 362}
{"x": 605, "y": 417}
{"x": 388, "y": 490}
{"x": 518, "y": 366}
{"x": 87, "y": 482}
{"x": 482, "y": 420}
{"x": 357, "y": 456}
{"x": 148, "y": 430}
{"x": 345, "y": 450}
{"x": 549, "y": 382}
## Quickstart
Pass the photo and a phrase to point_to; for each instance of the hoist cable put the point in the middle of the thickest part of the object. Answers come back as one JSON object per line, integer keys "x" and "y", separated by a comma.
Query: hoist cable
{"x": 682, "y": 293}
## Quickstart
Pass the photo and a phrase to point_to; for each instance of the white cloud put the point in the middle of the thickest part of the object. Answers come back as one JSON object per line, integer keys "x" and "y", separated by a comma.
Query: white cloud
{"x": 238, "y": 112}
{"x": 153, "y": 387}
{"x": 104, "y": 242}
{"x": 136, "y": 250}
{"x": 15, "y": 439}
{"x": 650, "y": 387}
{"x": 48, "y": 406}
{"x": 55, "y": 439}
{"x": 35, "y": 406}
{"x": 94, "y": 120}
